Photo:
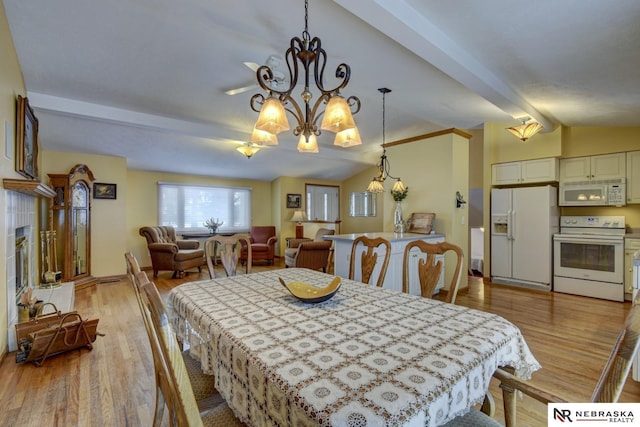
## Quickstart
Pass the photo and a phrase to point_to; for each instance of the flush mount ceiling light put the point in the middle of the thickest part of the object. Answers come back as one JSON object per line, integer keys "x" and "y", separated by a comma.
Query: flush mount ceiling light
{"x": 248, "y": 149}
{"x": 525, "y": 131}
{"x": 337, "y": 115}
{"x": 377, "y": 183}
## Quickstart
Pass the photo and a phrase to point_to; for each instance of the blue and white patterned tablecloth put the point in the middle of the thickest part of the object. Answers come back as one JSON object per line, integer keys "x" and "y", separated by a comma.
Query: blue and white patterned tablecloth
{"x": 368, "y": 356}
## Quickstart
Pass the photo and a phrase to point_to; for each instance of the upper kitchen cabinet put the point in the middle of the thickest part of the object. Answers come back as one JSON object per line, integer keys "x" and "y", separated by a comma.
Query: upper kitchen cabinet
{"x": 525, "y": 172}
{"x": 633, "y": 177}
{"x": 606, "y": 166}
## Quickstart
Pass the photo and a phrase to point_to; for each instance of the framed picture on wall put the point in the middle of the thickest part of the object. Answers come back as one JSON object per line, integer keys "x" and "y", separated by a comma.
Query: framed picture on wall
{"x": 26, "y": 140}
{"x": 294, "y": 200}
{"x": 104, "y": 191}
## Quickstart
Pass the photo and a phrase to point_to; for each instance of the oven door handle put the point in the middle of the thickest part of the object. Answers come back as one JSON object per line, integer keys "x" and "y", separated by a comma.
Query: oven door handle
{"x": 585, "y": 239}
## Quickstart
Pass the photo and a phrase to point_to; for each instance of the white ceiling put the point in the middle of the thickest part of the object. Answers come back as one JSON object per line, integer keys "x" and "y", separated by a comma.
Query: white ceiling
{"x": 145, "y": 79}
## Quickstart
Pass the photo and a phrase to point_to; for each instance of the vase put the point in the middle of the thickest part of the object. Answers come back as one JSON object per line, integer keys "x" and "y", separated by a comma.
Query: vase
{"x": 398, "y": 222}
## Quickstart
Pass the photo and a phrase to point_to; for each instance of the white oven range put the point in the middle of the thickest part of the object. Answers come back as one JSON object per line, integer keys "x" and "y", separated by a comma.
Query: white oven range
{"x": 588, "y": 256}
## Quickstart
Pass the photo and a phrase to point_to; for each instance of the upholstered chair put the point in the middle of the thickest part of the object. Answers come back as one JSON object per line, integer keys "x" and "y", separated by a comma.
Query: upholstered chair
{"x": 263, "y": 240}
{"x": 169, "y": 253}
{"x": 309, "y": 253}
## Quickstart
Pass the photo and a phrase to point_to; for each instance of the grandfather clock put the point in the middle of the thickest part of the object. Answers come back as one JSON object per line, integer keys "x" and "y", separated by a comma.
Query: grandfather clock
{"x": 71, "y": 220}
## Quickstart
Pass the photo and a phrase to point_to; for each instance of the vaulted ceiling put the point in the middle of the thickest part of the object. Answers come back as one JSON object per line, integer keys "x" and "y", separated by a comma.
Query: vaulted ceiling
{"x": 146, "y": 79}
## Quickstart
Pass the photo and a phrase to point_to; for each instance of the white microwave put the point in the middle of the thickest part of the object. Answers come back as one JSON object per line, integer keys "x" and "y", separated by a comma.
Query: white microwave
{"x": 610, "y": 192}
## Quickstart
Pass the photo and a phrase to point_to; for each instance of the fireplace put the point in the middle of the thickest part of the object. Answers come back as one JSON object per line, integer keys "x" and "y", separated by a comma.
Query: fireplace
{"x": 21, "y": 262}
{"x": 22, "y": 243}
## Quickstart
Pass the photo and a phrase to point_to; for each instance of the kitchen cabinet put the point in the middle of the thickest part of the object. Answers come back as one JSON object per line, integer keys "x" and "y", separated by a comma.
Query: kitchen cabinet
{"x": 393, "y": 278}
{"x": 589, "y": 168}
{"x": 633, "y": 177}
{"x": 631, "y": 245}
{"x": 525, "y": 172}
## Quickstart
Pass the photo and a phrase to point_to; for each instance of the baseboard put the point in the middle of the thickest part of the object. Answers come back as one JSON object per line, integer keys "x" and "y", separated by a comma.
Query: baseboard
{"x": 110, "y": 279}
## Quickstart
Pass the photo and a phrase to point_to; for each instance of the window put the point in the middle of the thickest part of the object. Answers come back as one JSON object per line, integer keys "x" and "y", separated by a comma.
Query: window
{"x": 186, "y": 207}
{"x": 362, "y": 203}
{"x": 323, "y": 203}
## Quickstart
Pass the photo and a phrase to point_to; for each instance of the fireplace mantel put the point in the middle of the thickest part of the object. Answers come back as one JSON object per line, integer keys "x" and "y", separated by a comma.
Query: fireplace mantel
{"x": 30, "y": 187}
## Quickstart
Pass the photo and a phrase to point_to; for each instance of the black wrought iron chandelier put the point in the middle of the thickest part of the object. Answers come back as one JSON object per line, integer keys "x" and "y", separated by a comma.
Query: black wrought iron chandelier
{"x": 337, "y": 114}
{"x": 377, "y": 183}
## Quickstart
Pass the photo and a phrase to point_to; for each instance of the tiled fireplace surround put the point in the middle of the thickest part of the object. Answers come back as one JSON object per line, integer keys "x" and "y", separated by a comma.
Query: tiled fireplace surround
{"x": 20, "y": 212}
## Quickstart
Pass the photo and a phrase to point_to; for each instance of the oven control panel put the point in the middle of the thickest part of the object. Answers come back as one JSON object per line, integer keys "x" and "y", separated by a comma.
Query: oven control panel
{"x": 593, "y": 221}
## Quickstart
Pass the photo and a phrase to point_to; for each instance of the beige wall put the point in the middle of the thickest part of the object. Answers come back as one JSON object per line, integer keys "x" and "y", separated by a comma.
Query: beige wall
{"x": 433, "y": 168}
{"x": 358, "y": 183}
{"x": 11, "y": 85}
{"x": 142, "y": 204}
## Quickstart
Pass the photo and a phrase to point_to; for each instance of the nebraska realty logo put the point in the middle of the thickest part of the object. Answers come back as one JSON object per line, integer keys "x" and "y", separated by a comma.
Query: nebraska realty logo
{"x": 593, "y": 414}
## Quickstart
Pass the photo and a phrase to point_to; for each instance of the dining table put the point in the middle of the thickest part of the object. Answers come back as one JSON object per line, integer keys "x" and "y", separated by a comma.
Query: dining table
{"x": 368, "y": 356}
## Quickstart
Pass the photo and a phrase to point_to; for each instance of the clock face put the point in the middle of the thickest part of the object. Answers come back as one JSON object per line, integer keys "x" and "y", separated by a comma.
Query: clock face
{"x": 79, "y": 196}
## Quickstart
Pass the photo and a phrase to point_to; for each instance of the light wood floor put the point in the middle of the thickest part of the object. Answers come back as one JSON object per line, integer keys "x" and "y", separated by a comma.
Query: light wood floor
{"x": 112, "y": 385}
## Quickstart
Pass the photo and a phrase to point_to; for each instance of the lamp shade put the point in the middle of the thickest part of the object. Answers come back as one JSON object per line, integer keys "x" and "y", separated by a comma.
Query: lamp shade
{"x": 348, "y": 138}
{"x": 337, "y": 115}
{"x": 299, "y": 216}
{"x": 262, "y": 137}
{"x": 525, "y": 131}
{"x": 399, "y": 186}
{"x": 376, "y": 186}
{"x": 310, "y": 146}
{"x": 272, "y": 118}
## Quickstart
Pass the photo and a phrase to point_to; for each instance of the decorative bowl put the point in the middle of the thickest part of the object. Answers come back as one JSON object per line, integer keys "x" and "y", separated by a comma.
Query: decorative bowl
{"x": 311, "y": 294}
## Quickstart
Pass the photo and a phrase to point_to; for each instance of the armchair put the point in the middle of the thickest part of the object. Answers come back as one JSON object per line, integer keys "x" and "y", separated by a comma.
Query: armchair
{"x": 263, "y": 240}
{"x": 169, "y": 253}
{"x": 308, "y": 253}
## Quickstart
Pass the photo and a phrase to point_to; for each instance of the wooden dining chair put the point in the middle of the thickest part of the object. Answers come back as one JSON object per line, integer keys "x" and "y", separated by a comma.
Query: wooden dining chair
{"x": 429, "y": 270}
{"x": 230, "y": 250}
{"x": 176, "y": 385}
{"x": 369, "y": 258}
{"x": 203, "y": 385}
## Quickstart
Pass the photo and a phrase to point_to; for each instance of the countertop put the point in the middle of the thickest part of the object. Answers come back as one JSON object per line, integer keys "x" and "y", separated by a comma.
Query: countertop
{"x": 390, "y": 236}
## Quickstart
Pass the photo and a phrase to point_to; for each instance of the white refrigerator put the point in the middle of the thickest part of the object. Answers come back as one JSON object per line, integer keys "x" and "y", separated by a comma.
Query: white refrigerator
{"x": 523, "y": 221}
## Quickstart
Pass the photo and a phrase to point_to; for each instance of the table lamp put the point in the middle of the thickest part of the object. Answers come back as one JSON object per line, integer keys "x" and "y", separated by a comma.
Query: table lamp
{"x": 298, "y": 217}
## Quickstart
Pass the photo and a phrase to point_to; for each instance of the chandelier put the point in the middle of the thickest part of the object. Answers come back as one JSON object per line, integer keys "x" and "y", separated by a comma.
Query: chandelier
{"x": 377, "y": 183}
{"x": 337, "y": 115}
{"x": 525, "y": 131}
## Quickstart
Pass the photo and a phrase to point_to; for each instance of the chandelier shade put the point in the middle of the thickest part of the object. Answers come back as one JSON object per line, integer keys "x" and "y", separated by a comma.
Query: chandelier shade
{"x": 337, "y": 115}
{"x": 525, "y": 131}
{"x": 348, "y": 138}
{"x": 309, "y": 145}
{"x": 306, "y": 59}
{"x": 272, "y": 118}
{"x": 377, "y": 183}
{"x": 261, "y": 137}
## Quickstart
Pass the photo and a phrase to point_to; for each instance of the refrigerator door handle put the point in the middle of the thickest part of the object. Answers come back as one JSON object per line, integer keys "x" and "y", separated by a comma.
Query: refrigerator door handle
{"x": 509, "y": 225}
{"x": 513, "y": 225}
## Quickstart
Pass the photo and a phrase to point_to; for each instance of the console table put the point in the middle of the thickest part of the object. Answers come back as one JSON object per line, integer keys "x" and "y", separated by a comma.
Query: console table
{"x": 393, "y": 278}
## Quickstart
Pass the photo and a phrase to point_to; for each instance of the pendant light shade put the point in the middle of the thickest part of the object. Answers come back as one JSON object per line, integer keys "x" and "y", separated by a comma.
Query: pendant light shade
{"x": 399, "y": 186}
{"x": 376, "y": 186}
{"x": 337, "y": 115}
{"x": 262, "y": 137}
{"x": 310, "y": 146}
{"x": 348, "y": 138}
{"x": 272, "y": 118}
{"x": 525, "y": 131}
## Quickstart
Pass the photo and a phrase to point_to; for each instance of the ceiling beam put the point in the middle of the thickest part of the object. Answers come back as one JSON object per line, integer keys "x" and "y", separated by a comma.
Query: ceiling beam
{"x": 401, "y": 22}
